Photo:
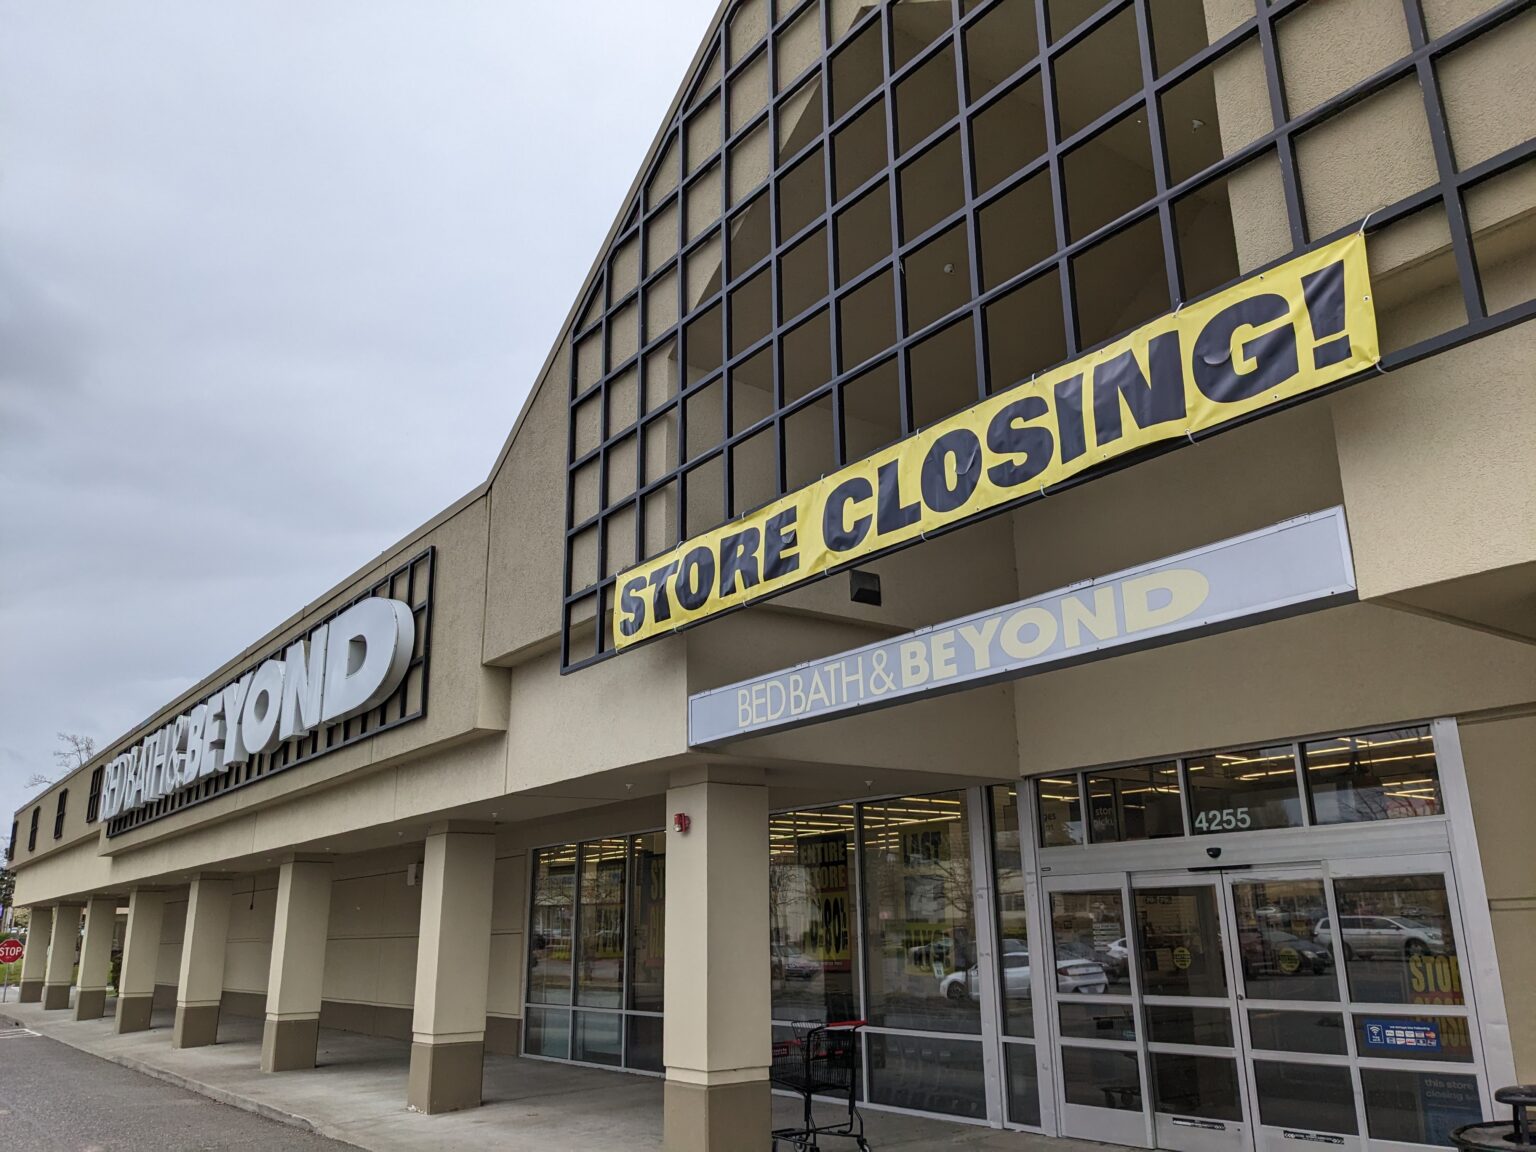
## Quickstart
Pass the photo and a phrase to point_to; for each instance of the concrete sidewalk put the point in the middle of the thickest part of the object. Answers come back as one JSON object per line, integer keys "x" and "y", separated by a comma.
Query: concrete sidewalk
{"x": 357, "y": 1095}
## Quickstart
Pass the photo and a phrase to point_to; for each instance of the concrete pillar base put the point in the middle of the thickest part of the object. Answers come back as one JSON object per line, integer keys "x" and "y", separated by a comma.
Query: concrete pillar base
{"x": 90, "y": 1003}
{"x": 197, "y": 1025}
{"x": 287, "y": 1045}
{"x": 134, "y": 1012}
{"x": 31, "y": 991}
{"x": 446, "y": 1077}
{"x": 55, "y": 996}
{"x": 717, "y": 1117}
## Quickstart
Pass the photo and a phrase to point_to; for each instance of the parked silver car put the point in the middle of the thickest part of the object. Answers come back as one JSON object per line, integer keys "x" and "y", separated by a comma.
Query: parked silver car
{"x": 1073, "y": 974}
{"x": 1382, "y": 936}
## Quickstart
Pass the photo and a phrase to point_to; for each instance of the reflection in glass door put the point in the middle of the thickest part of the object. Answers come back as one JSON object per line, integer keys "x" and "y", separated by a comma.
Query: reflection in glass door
{"x": 1266, "y": 1009}
{"x": 1098, "y": 1045}
{"x": 1292, "y": 1020}
{"x": 1188, "y": 1005}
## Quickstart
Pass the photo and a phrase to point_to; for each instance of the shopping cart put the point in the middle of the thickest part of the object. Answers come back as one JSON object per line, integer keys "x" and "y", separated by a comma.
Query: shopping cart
{"x": 819, "y": 1060}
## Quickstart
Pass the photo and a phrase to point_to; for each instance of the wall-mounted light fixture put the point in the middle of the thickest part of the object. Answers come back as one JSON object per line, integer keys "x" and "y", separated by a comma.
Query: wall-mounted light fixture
{"x": 864, "y": 587}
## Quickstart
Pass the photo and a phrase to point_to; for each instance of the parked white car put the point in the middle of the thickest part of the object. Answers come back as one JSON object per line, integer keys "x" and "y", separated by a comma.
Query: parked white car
{"x": 1072, "y": 975}
{"x": 1383, "y": 936}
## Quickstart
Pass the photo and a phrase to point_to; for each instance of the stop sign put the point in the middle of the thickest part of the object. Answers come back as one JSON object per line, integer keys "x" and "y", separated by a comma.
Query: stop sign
{"x": 10, "y": 951}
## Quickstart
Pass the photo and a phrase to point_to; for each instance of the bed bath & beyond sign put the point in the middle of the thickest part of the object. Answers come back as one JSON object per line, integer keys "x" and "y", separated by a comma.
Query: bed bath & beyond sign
{"x": 1295, "y": 566}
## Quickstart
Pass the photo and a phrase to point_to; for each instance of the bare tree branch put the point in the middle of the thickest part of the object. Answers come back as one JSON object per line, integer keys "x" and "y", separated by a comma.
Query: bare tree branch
{"x": 76, "y": 752}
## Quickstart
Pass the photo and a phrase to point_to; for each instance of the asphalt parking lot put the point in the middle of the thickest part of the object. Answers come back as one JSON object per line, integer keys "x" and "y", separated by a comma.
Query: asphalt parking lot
{"x": 54, "y": 1098}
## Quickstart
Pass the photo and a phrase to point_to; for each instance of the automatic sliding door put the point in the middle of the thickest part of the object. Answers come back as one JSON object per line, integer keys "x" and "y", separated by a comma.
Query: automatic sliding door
{"x": 1193, "y": 1064}
{"x": 1411, "y": 1023}
{"x": 1356, "y": 1021}
{"x": 1293, "y": 1025}
{"x": 1101, "y": 1081}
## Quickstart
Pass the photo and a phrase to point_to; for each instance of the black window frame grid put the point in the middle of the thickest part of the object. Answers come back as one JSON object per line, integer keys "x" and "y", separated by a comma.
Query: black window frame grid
{"x": 323, "y": 738}
{"x": 93, "y": 799}
{"x": 10, "y": 845}
{"x": 37, "y": 813}
{"x": 592, "y": 592}
{"x": 60, "y": 810}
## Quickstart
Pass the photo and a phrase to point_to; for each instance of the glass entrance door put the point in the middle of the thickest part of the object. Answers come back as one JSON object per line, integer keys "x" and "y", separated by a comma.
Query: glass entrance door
{"x": 1189, "y": 1005}
{"x": 1358, "y": 1025}
{"x": 1264, "y": 1009}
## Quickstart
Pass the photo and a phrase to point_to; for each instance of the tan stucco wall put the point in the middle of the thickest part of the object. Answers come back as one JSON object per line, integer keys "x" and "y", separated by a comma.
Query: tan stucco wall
{"x": 619, "y": 712}
{"x": 248, "y": 946}
{"x": 172, "y": 933}
{"x": 527, "y": 520}
{"x": 1438, "y": 467}
{"x": 1283, "y": 465}
{"x": 1501, "y": 775}
{"x": 370, "y": 956}
{"x": 370, "y": 951}
{"x": 46, "y": 802}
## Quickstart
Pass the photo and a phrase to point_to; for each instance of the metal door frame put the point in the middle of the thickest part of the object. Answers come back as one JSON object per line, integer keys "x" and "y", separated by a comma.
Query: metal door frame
{"x": 1083, "y": 1118}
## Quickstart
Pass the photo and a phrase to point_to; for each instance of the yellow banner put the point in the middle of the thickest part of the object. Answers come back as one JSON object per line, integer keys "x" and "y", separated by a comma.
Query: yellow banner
{"x": 1296, "y": 328}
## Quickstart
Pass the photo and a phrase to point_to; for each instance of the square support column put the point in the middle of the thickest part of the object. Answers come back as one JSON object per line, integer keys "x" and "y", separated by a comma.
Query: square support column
{"x": 34, "y": 961}
{"x": 718, "y": 1040}
{"x": 60, "y": 973}
{"x": 453, "y": 964}
{"x": 201, "y": 985}
{"x": 95, "y": 958}
{"x": 141, "y": 957}
{"x": 303, "y": 920}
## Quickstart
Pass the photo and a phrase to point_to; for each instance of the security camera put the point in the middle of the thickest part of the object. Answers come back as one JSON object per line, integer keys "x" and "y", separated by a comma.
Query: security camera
{"x": 1213, "y": 853}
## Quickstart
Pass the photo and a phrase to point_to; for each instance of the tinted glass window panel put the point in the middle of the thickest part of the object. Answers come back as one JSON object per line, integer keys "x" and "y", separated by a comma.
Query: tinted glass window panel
{"x": 1014, "y": 976}
{"x": 1186, "y": 1024}
{"x": 1188, "y": 1085}
{"x": 1106, "y": 1021}
{"x": 1023, "y": 1084}
{"x": 1139, "y": 803}
{"x": 1242, "y": 790}
{"x": 811, "y": 914}
{"x": 600, "y": 948}
{"x": 1300, "y": 1031}
{"x": 1399, "y": 945}
{"x": 643, "y": 1040}
{"x": 921, "y": 927}
{"x": 598, "y": 1038}
{"x": 1282, "y": 939}
{"x": 927, "y": 1074}
{"x": 1089, "y": 934}
{"x": 1418, "y": 1107}
{"x": 551, "y": 938}
{"x": 1061, "y": 818}
{"x": 1312, "y": 1097}
{"x": 1379, "y": 776}
{"x": 1181, "y": 947}
{"x": 1101, "y": 1078}
{"x": 647, "y": 933}
{"x": 547, "y": 1032}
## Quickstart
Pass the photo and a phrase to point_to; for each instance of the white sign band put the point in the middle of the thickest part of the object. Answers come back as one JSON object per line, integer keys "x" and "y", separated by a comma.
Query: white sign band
{"x": 1297, "y": 565}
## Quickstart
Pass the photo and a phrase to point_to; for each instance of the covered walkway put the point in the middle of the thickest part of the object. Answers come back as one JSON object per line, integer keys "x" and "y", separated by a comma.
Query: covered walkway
{"x": 356, "y": 1091}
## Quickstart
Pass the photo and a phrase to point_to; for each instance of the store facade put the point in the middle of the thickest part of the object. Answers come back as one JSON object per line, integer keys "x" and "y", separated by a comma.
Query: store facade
{"x": 1161, "y": 774}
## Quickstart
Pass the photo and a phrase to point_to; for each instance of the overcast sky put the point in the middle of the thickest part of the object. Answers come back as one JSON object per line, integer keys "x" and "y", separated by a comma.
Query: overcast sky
{"x": 275, "y": 278}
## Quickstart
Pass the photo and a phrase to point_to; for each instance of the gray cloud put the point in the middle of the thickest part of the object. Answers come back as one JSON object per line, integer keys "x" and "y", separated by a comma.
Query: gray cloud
{"x": 274, "y": 280}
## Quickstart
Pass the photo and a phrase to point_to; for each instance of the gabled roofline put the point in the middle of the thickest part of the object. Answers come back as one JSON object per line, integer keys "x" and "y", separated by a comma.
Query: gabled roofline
{"x": 705, "y": 43}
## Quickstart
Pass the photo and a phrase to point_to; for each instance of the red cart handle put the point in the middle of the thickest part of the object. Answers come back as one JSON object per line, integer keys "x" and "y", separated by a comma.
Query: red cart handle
{"x": 849, "y": 1025}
